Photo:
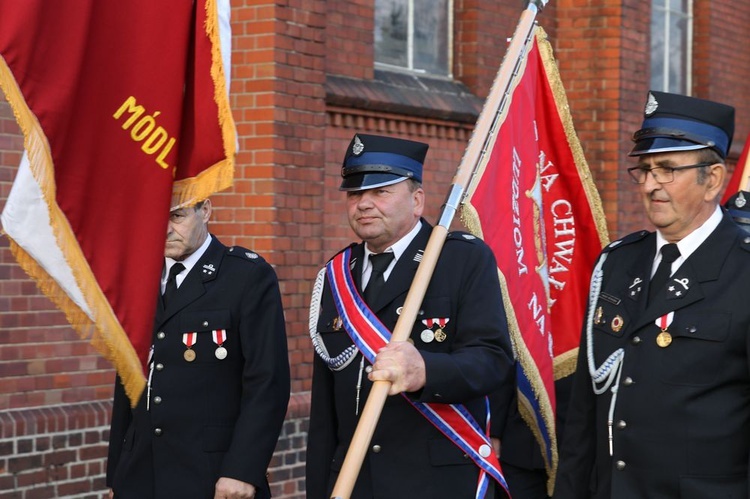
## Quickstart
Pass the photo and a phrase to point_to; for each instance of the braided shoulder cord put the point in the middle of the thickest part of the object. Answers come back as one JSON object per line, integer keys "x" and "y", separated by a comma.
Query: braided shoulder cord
{"x": 344, "y": 358}
{"x": 609, "y": 372}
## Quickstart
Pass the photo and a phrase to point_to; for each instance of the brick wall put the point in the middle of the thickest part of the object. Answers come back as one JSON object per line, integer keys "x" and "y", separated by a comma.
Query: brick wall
{"x": 303, "y": 84}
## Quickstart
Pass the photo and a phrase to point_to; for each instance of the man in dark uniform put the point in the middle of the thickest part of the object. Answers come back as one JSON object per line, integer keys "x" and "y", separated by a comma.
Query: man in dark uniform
{"x": 661, "y": 397}
{"x": 218, "y": 384}
{"x": 459, "y": 350}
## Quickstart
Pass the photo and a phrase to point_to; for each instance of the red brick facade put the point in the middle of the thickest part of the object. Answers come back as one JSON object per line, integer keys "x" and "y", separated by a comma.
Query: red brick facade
{"x": 303, "y": 83}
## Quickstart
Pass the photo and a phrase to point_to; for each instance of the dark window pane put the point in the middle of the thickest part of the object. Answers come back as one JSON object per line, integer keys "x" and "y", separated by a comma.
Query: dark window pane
{"x": 391, "y": 32}
{"x": 417, "y": 39}
{"x": 431, "y": 36}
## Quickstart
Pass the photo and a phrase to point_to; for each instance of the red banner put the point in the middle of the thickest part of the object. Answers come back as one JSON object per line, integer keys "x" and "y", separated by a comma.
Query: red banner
{"x": 116, "y": 101}
{"x": 534, "y": 202}
{"x": 740, "y": 179}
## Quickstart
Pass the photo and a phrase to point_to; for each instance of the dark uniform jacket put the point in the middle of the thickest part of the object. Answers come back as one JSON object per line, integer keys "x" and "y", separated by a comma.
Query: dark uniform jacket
{"x": 681, "y": 425}
{"x": 208, "y": 418}
{"x": 521, "y": 456}
{"x": 408, "y": 456}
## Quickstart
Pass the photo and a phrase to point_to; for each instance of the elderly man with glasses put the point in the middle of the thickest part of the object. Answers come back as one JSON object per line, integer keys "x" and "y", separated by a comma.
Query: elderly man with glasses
{"x": 661, "y": 398}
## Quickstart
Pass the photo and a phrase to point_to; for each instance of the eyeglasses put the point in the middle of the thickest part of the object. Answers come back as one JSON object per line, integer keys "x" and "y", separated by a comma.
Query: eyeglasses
{"x": 662, "y": 174}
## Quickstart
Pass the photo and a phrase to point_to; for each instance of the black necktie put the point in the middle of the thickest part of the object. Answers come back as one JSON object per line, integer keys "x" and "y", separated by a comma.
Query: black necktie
{"x": 669, "y": 253}
{"x": 171, "y": 288}
{"x": 379, "y": 262}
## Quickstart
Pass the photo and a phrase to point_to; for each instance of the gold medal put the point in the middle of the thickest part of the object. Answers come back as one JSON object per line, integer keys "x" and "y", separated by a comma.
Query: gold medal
{"x": 337, "y": 323}
{"x": 189, "y": 355}
{"x": 664, "y": 339}
{"x": 440, "y": 335}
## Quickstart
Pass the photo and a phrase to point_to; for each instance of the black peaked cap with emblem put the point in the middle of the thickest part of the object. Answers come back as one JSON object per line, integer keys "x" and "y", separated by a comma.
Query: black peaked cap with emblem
{"x": 376, "y": 161}
{"x": 674, "y": 122}
{"x": 738, "y": 207}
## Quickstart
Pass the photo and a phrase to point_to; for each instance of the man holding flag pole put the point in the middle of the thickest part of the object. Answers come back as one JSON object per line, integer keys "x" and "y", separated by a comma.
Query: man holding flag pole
{"x": 431, "y": 439}
{"x": 563, "y": 230}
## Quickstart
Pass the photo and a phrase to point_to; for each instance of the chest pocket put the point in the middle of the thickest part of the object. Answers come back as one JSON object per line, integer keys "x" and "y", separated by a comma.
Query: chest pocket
{"x": 207, "y": 320}
{"x": 435, "y": 327}
{"x": 610, "y": 316}
{"x": 697, "y": 353}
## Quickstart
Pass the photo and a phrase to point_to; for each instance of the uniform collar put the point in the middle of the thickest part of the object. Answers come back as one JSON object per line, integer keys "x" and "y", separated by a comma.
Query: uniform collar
{"x": 396, "y": 248}
{"x": 188, "y": 262}
{"x": 688, "y": 244}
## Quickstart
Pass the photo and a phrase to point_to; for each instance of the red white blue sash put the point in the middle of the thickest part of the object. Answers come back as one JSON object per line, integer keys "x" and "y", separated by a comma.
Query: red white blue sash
{"x": 369, "y": 334}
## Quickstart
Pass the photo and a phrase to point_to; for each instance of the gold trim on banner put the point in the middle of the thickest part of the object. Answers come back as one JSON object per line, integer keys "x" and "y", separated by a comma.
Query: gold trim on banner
{"x": 564, "y": 364}
{"x": 102, "y": 329}
{"x": 563, "y": 110}
{"x": 220, "y": 175}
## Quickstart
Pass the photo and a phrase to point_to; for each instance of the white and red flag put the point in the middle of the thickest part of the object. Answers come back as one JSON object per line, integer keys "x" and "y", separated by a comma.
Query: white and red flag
{"x": 534, "y": 202}
{"x": 124, "y": 112}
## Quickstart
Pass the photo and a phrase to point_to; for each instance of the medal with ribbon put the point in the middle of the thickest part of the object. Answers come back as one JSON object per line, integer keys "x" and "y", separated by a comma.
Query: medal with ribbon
{"x": 438, "y": 335}
{"x": 189, "y": 340}
{"x": 220, "y": 336}
{"x": 664, "y": 339}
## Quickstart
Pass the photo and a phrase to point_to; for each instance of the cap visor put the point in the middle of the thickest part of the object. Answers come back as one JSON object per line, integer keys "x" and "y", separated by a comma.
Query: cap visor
{"x": 663, "y": 144}
{"x": 364, "y": 181}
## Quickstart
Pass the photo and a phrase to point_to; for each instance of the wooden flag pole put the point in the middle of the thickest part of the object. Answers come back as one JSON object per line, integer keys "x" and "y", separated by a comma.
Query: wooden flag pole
{"x": 486, "y": 126}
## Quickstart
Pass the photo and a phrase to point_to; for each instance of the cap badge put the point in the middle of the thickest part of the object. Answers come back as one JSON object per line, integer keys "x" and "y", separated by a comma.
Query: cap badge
{"x": 358, "y": 147}
{"x": 651, "y": 105}
{"x": 740, "y": 201}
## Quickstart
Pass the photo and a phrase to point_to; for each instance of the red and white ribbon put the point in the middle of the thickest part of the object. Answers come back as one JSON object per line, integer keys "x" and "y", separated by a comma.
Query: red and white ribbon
{"x": 219, "y": 336}
{"x": 664, "y": 321}
{"x": 189, "y": 339}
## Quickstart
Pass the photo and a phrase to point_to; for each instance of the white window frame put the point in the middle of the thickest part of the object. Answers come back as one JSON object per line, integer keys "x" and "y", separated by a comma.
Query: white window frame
{"x": 410, "y": 46}
{"x": 664, "y": 7}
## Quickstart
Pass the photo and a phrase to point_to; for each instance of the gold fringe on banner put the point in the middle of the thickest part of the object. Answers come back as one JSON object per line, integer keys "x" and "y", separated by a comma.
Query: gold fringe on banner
{"x": 220, "y": 175}
{"x": 565, "y": 364}
{"x": 102, "y": 329}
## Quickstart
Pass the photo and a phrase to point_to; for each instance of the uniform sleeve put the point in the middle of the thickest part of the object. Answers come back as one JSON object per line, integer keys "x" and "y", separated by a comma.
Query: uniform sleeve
{"x": 265, "y": 379}
{"x": 121, "y": 417}
{"x": 578, "y": 448}
{"x": 321, "y": 435}
{"x": 480, "y": 361}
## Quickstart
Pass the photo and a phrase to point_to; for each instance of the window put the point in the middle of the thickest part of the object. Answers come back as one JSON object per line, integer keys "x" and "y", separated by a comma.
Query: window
{"x": 671, "y": 45}
{"x": 415, "y": 35}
